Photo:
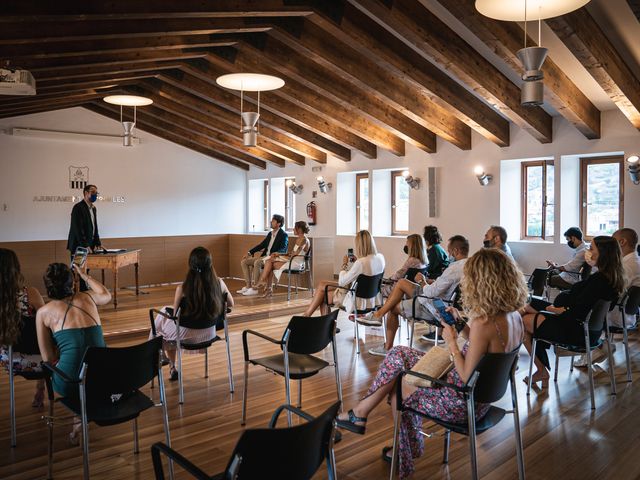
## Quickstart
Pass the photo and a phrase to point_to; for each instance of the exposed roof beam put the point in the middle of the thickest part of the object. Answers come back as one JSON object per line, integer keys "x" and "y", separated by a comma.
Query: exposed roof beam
{"x": 586, "y": 40}
{"x": 410, "y": 21}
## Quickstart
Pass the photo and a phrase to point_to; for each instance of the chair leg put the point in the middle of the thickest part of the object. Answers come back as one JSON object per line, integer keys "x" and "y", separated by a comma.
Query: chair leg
{"x": 612, "y": 374}
{"x": 12, "y": 400}
{"x": 357, "y": 333}
{"x": 394, "y": 454}
{"x": 472, "y": 438}
{"x": 85, "y": 434}
{"x": 136, "y": 448}
{"x": 206, "y": 363}
{"x": 591, "y": 386}
{"x": 297, "y": 284}
{"x": 516, "y": 424}
{"x": 229, "y": 368}
{"x": 50, "y": 437}
{"x": 245, "y": 387}
{"x": 287, "y": 390}
{"x": 625, "y": 340}
{"x": 572, "y": 360}
{"x": 288, "y": 287}
{"x": 331, "y": 465}
{"x": 300, "y": 393}
{"x": 413, "y": 326}
{"x": 555, "y": 373}
{"x": 337, "y": 371}
{"x": 180, "y": 384}
{"x": 533, "y": 354}
{"x": 165, "y": 418}
{"x": 447, "y": 443}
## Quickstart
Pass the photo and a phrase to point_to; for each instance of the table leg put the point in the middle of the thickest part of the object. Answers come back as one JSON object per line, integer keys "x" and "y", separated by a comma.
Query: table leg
{"x": 103, "y": 276}
{"x": 115, "y": 287}
{"x": 137, "y": 279}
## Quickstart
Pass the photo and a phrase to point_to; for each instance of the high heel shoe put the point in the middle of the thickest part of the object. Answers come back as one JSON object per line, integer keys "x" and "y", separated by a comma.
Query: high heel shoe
{"x": 268, "y": 292}
{"x": 544, "y": 381}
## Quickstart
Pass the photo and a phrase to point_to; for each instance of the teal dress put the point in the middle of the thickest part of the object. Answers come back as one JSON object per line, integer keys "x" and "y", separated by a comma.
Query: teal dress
{"x": 72, "y": 343}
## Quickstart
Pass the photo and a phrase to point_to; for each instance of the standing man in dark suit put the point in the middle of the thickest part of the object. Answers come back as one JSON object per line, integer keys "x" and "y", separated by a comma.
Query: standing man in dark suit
{"x": 83, "y": 231}
{"x": 276, "y": 241}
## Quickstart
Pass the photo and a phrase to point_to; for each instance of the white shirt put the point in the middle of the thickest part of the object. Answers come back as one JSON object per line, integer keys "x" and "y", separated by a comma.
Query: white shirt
{"x": 273, "y": 239}
{"x": 574, "y": 265}
{"x": 93, "y": 220}
{"x": 369, "y": 265}
{"x": 631, "y": 265}
{"x": 445, "y": 284}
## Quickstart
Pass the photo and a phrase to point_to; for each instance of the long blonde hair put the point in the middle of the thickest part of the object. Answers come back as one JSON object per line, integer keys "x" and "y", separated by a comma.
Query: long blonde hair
{"x": 364, "y": 244}
{"x": 492, "y": 284}
{"x": 417, "y": 248}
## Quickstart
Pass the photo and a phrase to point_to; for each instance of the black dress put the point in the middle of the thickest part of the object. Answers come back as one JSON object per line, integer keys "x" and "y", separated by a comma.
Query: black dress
{"x": 578, "y": 301}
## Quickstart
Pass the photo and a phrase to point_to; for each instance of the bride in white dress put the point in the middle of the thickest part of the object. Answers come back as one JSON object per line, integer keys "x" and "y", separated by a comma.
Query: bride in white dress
{"x": 276, "y": 263}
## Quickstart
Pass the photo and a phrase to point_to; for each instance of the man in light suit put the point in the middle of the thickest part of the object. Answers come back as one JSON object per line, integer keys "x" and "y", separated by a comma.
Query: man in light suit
{"x": 276, "y": 241}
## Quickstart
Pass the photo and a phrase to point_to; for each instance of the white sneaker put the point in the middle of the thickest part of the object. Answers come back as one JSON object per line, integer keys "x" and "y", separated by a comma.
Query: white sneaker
{"x": 379, "y": 351}
{"x": 369, "y": 319}
{"x": 250, "y": 292}
{"x": 242, "y": 290}
{"x": 598, "y": 355}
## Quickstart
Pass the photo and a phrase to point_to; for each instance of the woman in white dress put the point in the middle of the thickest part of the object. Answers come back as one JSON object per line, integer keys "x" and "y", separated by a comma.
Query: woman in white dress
{"x": 277, "y": 263}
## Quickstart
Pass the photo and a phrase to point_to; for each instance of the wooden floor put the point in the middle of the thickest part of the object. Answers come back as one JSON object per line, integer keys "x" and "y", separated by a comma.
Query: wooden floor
{"x": 563, "y": 438}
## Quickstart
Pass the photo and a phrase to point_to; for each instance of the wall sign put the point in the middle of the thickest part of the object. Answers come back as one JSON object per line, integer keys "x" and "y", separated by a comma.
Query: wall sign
{"x": 78, "y": 177}
{"x": 77, "y": 198}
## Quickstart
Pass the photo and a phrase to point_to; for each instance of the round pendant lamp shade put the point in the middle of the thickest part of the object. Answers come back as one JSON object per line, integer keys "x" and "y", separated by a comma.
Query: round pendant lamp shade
{"x": 250, "y": 82}
{"x": 128, "y": 100}
{"x": 514, "y": 10}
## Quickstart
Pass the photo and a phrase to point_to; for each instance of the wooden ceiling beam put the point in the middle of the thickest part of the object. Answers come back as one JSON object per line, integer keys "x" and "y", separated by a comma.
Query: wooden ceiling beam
{"x": 428, "y": 36}
{"x": 302, "y": 72}
{"x": 342, "y": 60}
{"x": 167, "y": 132}
{"x": 505, "y": 39}
{"x": 230, "y": 102}
{"x": 304, "y": 118}
{"x": 23, "y": 10}
{"x": 588, "y": 43}
{"x": 219, "y": 117}
{"x": 90, "y": 73}
{"x": 376, "y": 44}
{"x": 224, "y": 132}
{"x": 51, "y": 86}
{"x": 35, "y": 32}
{"x": 303, "y": 96}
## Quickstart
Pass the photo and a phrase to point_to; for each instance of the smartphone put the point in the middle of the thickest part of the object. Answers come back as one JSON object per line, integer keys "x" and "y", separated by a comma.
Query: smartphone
{"x": 80, "y": 257}
{"x": 442, "y": 310}
{"x": 350, "y": 255}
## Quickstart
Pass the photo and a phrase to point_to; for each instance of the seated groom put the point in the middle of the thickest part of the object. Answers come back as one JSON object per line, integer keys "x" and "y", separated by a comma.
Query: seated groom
{"x": 276, "y": 241}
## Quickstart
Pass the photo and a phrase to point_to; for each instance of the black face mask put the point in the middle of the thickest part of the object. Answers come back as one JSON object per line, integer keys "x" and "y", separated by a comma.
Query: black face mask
{"x": 571, "y": 244}
{"x": 487, "y": 244}
{"x": 406, "y": 250}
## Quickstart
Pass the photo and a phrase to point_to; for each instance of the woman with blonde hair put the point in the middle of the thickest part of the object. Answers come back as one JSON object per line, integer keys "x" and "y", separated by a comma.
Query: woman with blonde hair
{"x": 493, "y": 290}
{"x": 365, "y": 261}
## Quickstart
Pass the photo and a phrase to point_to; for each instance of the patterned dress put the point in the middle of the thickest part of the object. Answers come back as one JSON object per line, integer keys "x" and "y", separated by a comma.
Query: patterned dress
{"x": 440, "y": 402}
{"x": 23, "y": 362}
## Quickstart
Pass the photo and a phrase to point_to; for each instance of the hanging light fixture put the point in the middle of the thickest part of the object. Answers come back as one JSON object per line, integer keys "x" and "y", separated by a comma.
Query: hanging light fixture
{"x": 128, "y": 101}
{"x": 532, "y": 58}
{"x": 249, "y": 82}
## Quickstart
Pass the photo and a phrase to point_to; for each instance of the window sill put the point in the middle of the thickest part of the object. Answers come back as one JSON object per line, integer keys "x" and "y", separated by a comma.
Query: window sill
{"x": 531, "y": 240}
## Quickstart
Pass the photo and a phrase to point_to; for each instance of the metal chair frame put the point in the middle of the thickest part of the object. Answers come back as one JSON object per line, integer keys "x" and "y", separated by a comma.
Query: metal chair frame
{"x": 629, "y": 305}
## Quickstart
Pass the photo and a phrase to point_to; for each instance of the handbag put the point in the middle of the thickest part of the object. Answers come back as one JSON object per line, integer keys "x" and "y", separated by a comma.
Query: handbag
{"x": 436, "y": 363}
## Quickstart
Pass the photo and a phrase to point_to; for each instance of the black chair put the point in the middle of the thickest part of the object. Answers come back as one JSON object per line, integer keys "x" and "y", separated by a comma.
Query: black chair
{"x": 487, "y": 384}
{"x": 363, "y": 287}
{"x": 303, "y": 337}
{"x": 412, "y": 272}
{"x": 27, "y": 344}
{"x": 628, "y": 305}
{"x": 454, "y": 300}
{"x": 293, "y": 453}
{"x": 296, "y": 272}
{"x": 109, "y": 389}
{"x": 195, "y": 323}
{"x": 537, "y": 282}
{"x": 596, "y": 321}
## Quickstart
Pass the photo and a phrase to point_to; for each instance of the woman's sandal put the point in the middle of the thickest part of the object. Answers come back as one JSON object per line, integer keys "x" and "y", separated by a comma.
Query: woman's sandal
{"x": 385, "y": 457}
{"x": 268, "y": 292}
{"x": 544, "y": 382}
{"x": 350, "y": 424}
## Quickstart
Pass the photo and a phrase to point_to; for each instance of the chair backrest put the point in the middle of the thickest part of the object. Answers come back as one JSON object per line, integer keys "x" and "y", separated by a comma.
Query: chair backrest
{"x": 494, "y": 371}
{"x": 456, "y": 297}
{"x": 633, "y": 301}
{"x": 598, "y": 315}
{"x": 538, "y": 280}
{"x": 27, "y": 342}
{"x": 368, "y": 286}
{"x": 198, "y": 323}
{"x": 120, "y": 370}
{"x": 585, "y": 271}
{"x": 412, "y": 272}
{"x": 293, "y": 453}
{"x": 311, "y": 334}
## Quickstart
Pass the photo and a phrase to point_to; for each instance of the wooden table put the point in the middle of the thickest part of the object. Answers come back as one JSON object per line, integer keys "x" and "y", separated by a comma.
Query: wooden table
{"x": 115, "y": 261}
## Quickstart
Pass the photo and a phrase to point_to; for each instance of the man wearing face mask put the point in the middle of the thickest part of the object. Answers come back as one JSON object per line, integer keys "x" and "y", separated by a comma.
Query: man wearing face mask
{"x": 566, "y": 275}
{"x": 627, "y": 238}
{"x": 496, "y": 237}
{"x": 83, "y": 231}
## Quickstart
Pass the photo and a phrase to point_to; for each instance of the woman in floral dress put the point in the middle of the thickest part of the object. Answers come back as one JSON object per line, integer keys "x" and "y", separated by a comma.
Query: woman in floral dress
{"x": 493, "y": 290}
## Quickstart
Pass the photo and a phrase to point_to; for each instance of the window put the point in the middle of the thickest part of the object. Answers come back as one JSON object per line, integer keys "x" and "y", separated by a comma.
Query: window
{"x": 266, "y": 221}
{"x": 289, "y": 206}
{"x": 362, "y": 201}
{"x": 601, "y": 195}
{"x": 399, "y": 204}
{"x": 538, "y": 200}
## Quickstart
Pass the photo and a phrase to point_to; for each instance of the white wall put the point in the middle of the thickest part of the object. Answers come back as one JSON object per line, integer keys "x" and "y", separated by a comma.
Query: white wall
{"x": 464, "y": 206}
{"x": 168, "y": 189}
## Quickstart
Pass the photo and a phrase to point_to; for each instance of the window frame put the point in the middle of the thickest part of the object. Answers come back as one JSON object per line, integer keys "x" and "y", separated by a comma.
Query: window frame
{"x": 395, "y": 174}
{"x": 289, "y": 196}
{"x": 360, "y": 176}
{"x": 584, "y": 166}
{"x": 266, "y": 219}
{"x": 523, "y": 208}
